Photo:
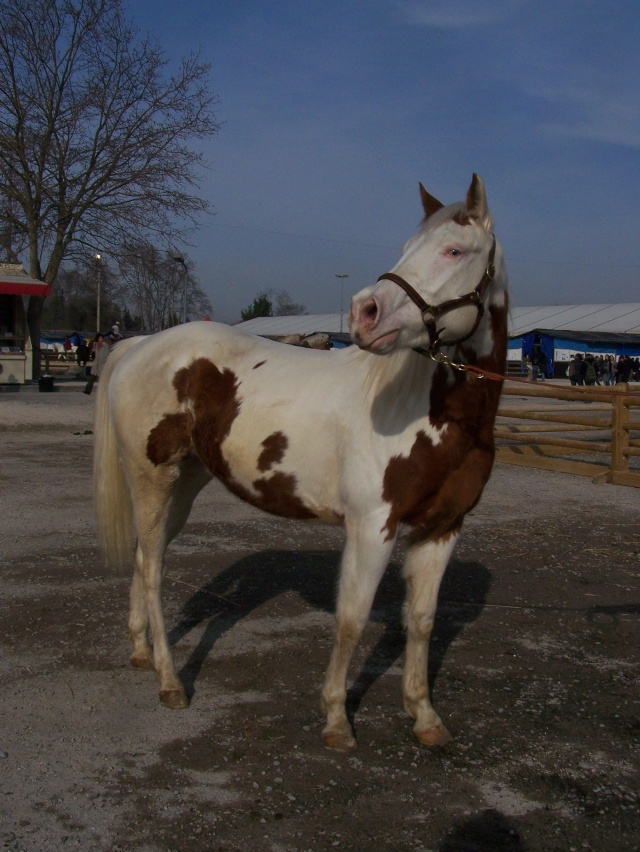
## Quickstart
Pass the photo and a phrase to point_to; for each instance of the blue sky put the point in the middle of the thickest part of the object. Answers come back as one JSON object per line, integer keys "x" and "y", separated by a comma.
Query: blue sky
{"x": 333, "y": 111}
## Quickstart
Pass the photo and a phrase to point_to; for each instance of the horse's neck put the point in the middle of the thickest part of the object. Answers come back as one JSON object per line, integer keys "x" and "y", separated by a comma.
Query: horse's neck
{"x": 396, "y": 390}
{"x": 487, "y": 347}
{"x": 405, "y": 371}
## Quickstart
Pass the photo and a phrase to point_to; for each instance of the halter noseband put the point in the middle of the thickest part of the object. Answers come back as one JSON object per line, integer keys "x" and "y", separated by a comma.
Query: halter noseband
{"x": 430, "y": 313}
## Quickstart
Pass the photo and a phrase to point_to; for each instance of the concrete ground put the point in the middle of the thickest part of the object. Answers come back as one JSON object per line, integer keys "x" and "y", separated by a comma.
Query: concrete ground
{"x": 534, "y": 668}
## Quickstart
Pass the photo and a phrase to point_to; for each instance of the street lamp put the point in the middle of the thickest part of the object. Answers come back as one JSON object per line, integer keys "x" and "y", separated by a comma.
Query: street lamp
{"x": 98, "y": 258}
{"x": 341, "y": 277}
{"x": 179, "y": 259}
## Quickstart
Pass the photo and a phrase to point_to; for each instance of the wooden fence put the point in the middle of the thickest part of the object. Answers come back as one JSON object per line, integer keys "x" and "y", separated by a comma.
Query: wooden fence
{"x": 587, "y": 431}
{"x": 57, "y": 363}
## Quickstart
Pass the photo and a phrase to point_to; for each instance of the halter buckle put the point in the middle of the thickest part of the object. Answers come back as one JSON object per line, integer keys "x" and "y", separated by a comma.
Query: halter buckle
{"x": 441, "y": 358}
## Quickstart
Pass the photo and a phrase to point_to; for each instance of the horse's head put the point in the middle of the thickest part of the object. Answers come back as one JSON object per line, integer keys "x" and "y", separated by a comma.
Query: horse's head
{"x": 437, "y": 293}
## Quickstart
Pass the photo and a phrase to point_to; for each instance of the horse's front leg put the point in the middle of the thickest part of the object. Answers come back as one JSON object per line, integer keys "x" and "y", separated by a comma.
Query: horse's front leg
{"x": 423, "y": 570}
{"x": 363, "y": 562}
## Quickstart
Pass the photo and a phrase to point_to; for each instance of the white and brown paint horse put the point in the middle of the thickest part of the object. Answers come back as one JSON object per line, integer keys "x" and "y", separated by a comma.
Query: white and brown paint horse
{"x": 378, "y": 437}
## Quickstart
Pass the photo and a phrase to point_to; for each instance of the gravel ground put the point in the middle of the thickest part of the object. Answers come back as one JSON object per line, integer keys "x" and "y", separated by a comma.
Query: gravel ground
{"x": 534, "y": 668}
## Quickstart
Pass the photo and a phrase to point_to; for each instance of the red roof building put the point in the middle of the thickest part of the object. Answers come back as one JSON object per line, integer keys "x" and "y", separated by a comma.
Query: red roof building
{"x": 16, "y": 355}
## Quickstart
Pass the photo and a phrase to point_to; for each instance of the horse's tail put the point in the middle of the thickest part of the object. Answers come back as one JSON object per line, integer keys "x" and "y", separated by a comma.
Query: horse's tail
{"x": 111, "y": 495}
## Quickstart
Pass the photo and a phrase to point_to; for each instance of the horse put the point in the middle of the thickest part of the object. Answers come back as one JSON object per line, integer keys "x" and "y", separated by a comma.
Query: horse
{"x": 390, "y": 437}
{"x": 317, "y": 340}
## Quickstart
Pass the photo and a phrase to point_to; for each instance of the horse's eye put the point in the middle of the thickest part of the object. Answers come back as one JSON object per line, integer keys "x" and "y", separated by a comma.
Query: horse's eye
{"x": 454, "y": 252}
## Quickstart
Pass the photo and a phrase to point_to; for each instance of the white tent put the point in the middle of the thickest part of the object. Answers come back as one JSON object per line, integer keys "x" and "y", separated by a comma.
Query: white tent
{"x": 620, "y": 319}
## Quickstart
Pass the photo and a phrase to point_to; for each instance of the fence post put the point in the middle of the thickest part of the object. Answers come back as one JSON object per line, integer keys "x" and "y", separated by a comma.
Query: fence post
{"x": 620, "y": 432}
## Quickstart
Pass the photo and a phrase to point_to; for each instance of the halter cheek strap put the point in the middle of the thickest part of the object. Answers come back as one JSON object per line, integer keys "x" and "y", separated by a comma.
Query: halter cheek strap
{"x": 430, "y": 313}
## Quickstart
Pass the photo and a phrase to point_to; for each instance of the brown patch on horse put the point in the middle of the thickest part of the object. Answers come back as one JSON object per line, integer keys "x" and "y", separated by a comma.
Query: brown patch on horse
{"x": 259, "y": 364}
{"x": 213, "y": 395}
{"x": 170, "y": 441}
{"x": 278, "y": 496}
{"x": 274, "y": 449}
{"x": 434, "y": 487}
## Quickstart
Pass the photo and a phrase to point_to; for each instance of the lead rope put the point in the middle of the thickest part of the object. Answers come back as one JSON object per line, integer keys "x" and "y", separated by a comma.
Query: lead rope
{"x": 477, "y": 373}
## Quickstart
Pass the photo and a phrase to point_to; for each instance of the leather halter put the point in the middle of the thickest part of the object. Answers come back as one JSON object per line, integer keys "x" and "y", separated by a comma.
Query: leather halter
{"x": 430, "y": 313}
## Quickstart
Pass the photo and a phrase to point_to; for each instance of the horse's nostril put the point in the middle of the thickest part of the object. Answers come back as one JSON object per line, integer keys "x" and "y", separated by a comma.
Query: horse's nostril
{"x": 370, "y": 311}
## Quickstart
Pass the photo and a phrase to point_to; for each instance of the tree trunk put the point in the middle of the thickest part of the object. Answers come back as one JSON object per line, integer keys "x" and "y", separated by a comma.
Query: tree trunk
{"x": 34, "y": 321}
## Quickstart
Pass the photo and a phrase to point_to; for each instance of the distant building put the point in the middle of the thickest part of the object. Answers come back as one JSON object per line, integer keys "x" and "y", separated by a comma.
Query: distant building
{"x": 557, "y": 330}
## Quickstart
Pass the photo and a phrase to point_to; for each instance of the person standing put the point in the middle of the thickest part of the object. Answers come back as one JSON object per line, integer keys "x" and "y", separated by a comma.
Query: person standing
{"x": 599, "y": 365}
{"x": 622, "y": 370}
{"x": 608, "y": 370}
{"x": 82, "y": 357}
{"x": 576, "y": 370}
{"x": 100, "y": 353}
{"x": 590, "y": 375}
{"x": 541, "y": 365}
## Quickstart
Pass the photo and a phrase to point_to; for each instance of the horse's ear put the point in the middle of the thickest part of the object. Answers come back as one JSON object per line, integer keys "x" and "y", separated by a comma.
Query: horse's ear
{"x": 430, "y": 205}
{"x": 477, "y": 203}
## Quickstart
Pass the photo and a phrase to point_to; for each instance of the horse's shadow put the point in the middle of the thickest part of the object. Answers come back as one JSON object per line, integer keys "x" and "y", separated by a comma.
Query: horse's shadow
{"x": 252, "y": 581}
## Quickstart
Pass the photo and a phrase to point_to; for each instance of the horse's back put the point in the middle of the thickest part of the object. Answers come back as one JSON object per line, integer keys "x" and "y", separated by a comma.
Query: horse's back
{"x": 204, "y": 359}
{"x": 248, "y": 408}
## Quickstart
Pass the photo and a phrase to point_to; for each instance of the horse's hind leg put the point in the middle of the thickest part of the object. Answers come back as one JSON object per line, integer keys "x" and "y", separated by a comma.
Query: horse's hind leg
{"x": 141, "y": 655}
{"x": 363, "y": 562}
{"x": 150, "y": 569}
{"x": 423, "y": 570}
{"x": 161, "y": 511}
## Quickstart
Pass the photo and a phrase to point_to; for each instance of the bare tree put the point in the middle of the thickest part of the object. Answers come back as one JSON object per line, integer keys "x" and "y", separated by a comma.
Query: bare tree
{"x": 153, "y": 286}
{"x": 285, "y": 306}
{"x": 272, "y": 303}
{"x": 73, "y": 302}
{"x": 95, "y": 136}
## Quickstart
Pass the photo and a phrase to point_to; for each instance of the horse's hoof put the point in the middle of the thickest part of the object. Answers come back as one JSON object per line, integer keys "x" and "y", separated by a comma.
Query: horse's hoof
{"x": 437, "y": 736}
{"x": 338, "y": 741}
{"x": 142, "y": 662}
{"x": 174, "y": 699}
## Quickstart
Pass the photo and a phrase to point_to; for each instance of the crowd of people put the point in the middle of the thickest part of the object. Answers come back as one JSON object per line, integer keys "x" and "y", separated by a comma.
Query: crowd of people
{"x": 602, "y": 369}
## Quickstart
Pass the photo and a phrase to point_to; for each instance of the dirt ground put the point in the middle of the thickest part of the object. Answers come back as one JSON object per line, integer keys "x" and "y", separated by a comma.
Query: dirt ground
{"x": 534, "y": 669}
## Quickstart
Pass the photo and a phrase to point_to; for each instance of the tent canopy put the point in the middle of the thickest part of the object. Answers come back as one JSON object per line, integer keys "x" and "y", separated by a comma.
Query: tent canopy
{"x": 579, "y": 341}
{"x": 610, "y": 319}
{"x": 593, "y": 338}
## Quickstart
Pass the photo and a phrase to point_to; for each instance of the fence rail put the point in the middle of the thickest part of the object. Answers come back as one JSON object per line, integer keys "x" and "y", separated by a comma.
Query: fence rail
{"x": 601, "y": 429}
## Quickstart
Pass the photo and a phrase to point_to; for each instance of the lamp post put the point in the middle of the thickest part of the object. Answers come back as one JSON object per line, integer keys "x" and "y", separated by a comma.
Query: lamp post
{"x": 98, "y": 258}
{"x": 181, "y": 260}
{"x": 341, "y": 277}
